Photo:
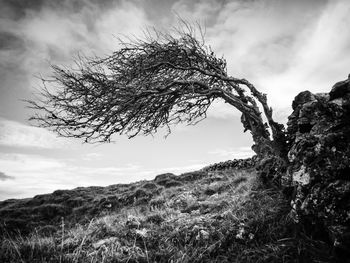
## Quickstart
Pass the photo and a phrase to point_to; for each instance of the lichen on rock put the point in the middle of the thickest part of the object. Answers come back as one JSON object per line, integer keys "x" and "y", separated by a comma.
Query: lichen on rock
{"x": 319, "y": 162}
{"x": 301, "y": 176}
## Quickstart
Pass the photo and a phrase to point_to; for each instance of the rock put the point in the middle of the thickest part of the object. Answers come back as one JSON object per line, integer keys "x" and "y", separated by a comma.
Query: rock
{"x": 165, "y": 176}
{"x": 318, "y": 135}
{"x": 302, "y": 98}
{"x": 301, "y": 176}
{"x": 340, "y": 89}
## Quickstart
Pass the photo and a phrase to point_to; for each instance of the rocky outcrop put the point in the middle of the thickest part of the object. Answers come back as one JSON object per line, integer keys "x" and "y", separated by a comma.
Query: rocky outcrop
{"x": 319, "y": 169}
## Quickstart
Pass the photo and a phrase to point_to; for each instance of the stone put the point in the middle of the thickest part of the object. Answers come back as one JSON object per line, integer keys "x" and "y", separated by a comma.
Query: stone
{"x": 302, "y": 98}
{"x": 318, "y": 134}
{"x": 301, "y": 176}
{"x": 340, "y": 89}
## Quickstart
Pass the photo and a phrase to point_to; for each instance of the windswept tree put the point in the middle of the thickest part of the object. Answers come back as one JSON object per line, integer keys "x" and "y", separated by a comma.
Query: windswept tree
{"x": 150, "y": 83}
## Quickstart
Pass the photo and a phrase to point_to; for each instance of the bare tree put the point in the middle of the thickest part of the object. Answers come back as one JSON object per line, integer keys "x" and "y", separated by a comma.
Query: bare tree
{"x": 158, "y": 81}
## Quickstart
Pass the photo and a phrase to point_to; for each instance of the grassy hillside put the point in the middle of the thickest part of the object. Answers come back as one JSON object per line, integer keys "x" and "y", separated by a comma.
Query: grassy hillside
{"x": 203, "y": 216}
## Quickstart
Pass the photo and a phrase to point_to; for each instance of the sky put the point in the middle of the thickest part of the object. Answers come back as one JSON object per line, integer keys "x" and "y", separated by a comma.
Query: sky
{"x": 282, "y": 47}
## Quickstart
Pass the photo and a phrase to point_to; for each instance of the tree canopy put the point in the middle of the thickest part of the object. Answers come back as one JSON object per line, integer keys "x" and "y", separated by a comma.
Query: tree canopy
{"x": 160, "y": 80}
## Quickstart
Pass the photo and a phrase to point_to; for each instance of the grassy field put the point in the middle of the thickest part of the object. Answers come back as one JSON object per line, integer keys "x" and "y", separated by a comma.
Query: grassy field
{"x": 216, "y": 216}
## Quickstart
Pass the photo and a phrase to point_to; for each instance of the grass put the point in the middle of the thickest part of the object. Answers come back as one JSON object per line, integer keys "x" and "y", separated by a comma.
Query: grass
{"x": 222, "y": 216}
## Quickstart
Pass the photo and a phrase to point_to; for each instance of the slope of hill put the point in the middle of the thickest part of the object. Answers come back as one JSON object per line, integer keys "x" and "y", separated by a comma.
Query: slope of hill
{"x": 211, "y": 215}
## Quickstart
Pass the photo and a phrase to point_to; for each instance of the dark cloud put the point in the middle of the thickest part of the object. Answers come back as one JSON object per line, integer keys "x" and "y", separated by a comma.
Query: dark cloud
{"x": 9, "y": 41}
{"x": 17, "y": 9}
{"x": 4, "y": 177}
{"x": 37, "y": 33}
{"x": 157, "y": 10}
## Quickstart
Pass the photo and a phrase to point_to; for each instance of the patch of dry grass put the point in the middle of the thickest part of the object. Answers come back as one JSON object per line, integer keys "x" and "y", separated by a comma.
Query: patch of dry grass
{"x": 209, "y": 217}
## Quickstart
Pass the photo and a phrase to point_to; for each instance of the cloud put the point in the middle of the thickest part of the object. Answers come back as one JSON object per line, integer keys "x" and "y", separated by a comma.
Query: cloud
{"x": 277, "y": 45}
{"x": 36, "y": 34}
{"x": 318, "y": 56}
{"x": 16, "y": 134}
{"x": 4, "y": 177}
{"x": 92, "y": 156}
{"x": 46, "y": 31}
{"x": 283, "y": 47}
{"x": 16, "y": 164}
{"x": 39, "y": 174}
{"x": 34, "y": 174}
{"x": 220, "y": 109}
